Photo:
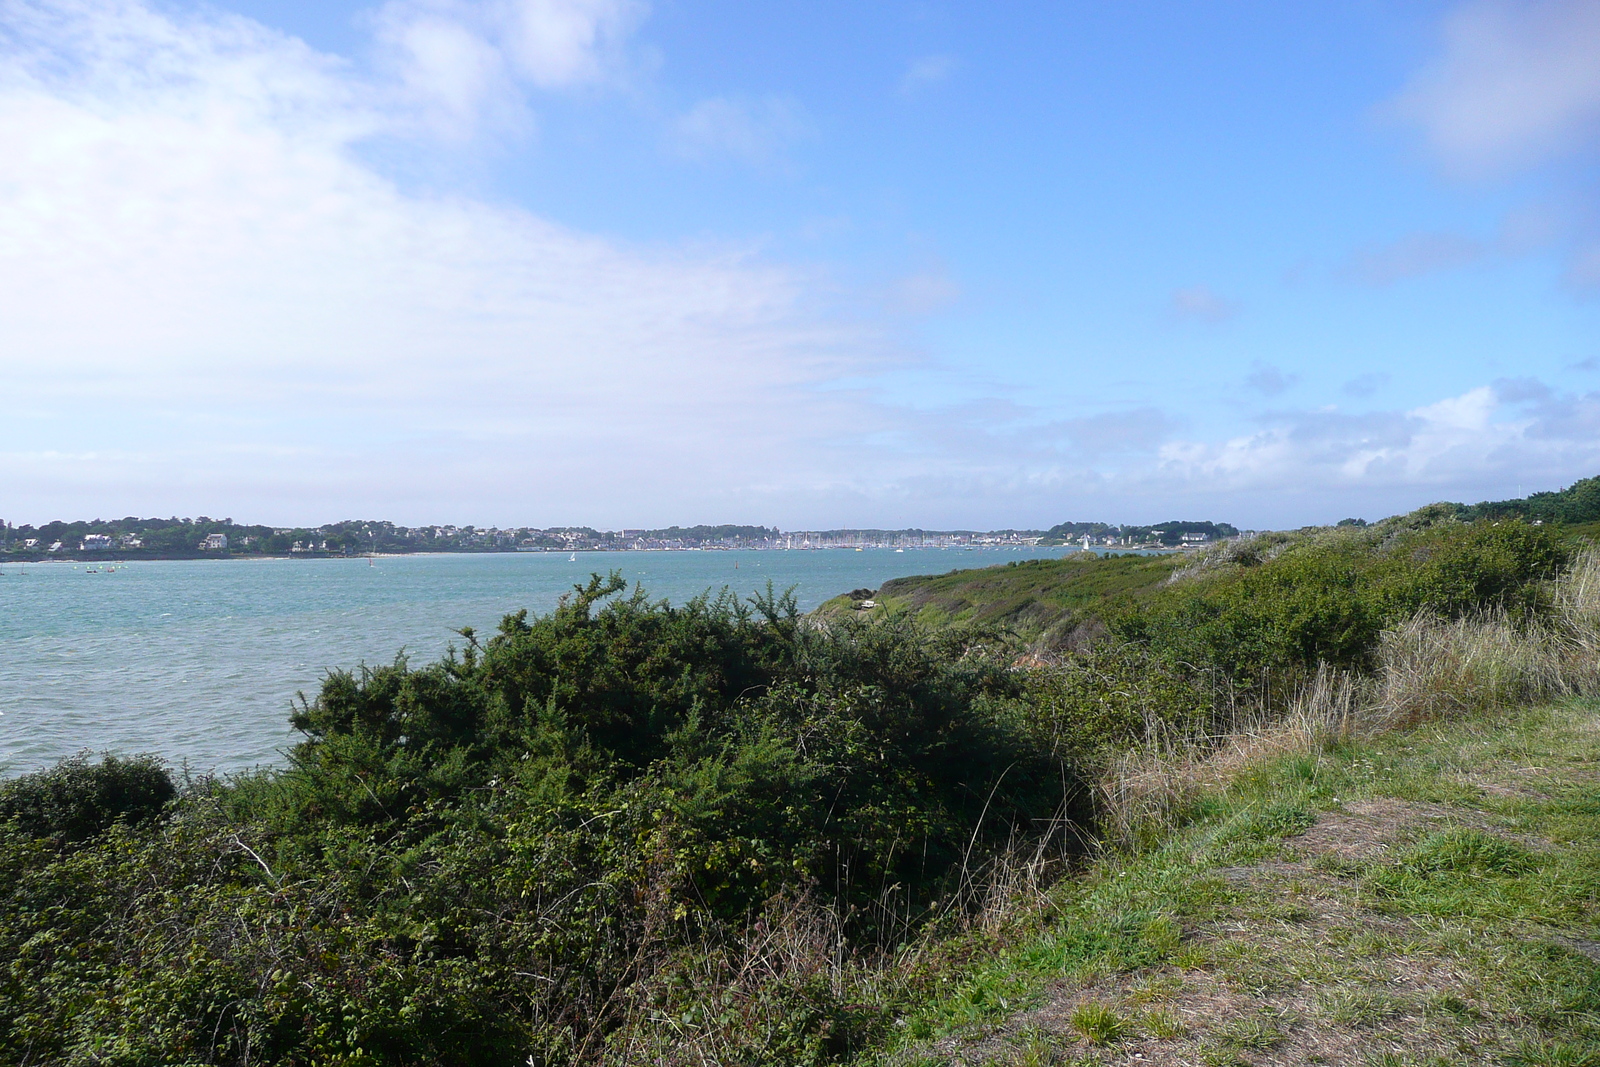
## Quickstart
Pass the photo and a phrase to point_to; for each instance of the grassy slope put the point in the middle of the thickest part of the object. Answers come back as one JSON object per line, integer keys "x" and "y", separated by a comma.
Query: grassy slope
{"x": 1443, "y": 908}
{"x": 1047, "y": 598}
{"x": 1029, "y": 597}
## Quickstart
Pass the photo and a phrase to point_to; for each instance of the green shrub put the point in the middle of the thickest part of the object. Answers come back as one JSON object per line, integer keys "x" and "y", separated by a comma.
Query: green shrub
{"x": 1260, "y": 627}
{"x": 76, "y": 799}
{"x": 541, "y": 847}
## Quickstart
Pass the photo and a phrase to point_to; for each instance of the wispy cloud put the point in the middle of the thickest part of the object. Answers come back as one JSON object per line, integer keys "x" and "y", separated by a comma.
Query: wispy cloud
{"x": 1268, "y": 380}
{"x": 208, "y": 297}
{"x": 254, "y": 284}
{"x": 462, "y": 63}
{"x": 1514, "y": 90}
{"x": 1365, "y": 385}
{"x": 1412, "y": 256}
{"x": 1516, "y": 84}
{"x": 924, "y": 73}
{"x": 1474, "y": 443}
{"x": 759, "y": 133}
{"x": 1200, "y": 303}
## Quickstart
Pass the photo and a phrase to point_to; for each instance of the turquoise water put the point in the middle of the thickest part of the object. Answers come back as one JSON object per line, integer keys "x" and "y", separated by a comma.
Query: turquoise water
{"x": 199, "y": 660}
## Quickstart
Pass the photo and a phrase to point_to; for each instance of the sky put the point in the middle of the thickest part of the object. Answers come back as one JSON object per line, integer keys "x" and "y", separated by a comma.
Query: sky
{"x": 821, "y": 264}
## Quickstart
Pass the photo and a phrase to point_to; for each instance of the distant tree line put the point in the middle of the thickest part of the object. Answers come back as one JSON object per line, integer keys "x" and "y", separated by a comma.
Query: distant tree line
{"x": 176, "y": 537}
{"x": 1166, "y": 533}
{"x": 1577, "y": 503}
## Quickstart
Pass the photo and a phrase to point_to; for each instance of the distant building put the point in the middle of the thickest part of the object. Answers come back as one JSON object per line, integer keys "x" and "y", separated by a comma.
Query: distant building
{"x": 216, "y": 542}
{"x": 56, "y": 547}
{"x": 130, "y": 541}
{"x": 97, "y": 543}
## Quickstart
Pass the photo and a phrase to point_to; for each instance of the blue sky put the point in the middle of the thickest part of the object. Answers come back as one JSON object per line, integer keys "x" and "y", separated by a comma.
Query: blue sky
{"x": 626, "y": 263}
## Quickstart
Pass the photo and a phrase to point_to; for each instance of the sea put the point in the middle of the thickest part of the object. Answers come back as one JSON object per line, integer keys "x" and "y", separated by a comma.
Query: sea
{"x": 198, "y": 662}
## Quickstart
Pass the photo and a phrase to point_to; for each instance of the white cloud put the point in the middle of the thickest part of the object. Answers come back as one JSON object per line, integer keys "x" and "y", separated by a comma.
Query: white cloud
{"x": 1517, "y": 84}
{"x": 1477, "y": 441}
{"x": 208, "y": 302}
{"x": 756, "y": 132}
{"x": 202, "y": 288}
{"x": 1515, "y": 90}
{"x": 461, "y": 62}
{"x": 926, "y": 72}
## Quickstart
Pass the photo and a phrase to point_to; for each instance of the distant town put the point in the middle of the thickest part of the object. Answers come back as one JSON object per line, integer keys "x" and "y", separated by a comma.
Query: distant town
{"x": 203, "y": 537}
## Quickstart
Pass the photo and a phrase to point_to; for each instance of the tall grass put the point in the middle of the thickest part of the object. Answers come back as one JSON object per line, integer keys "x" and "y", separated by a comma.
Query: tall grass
{"x": 1577, "y": 603}
{"x": 1439, "y": 669}
{"x": 1428, "y": 668}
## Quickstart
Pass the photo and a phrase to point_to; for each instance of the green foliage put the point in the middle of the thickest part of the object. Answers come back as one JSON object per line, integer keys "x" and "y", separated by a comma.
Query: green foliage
{"x": 624, "y": 829}
{"x": 1577, "y": 503}
{"x": 1047, "y": 599}
{"x": 1100, "y": 1025}
{"x": 1261, "y": 623}
{"x": 533, "y": 848}
{"x": 76, "y": 799}
{"x": 1469, "y": 852}
{"x": 1108, "y": 698}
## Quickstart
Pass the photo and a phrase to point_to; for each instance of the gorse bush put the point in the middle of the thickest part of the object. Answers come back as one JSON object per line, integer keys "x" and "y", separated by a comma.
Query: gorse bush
{"x": 76, "y": 799}
{"x": 528, "y": 848}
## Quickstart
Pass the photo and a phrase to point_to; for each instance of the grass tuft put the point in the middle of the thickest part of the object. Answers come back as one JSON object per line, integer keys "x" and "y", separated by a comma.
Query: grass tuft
{"x": 1100, "y": 1025}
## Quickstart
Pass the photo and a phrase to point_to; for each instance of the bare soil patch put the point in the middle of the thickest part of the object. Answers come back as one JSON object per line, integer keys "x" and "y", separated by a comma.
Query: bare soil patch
{"x": 1368, "y": 830}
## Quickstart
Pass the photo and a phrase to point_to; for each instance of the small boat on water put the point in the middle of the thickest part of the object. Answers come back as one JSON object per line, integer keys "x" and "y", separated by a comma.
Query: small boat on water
{"x": 572, "y": 558}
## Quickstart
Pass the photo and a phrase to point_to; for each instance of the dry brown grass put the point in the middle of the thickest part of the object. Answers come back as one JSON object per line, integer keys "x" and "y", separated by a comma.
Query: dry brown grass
{"x": 1428, "y": 669}
{"x": 1577, "y": 602}
{"x": 1440, "y": 669}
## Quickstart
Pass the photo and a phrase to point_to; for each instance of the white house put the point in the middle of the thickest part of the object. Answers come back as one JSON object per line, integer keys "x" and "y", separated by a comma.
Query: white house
{"x": 97, "y": 543}
{"x": 216, "y": 542}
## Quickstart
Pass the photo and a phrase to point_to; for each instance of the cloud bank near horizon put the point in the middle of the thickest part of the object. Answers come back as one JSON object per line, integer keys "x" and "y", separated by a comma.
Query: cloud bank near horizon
{"x": 212, "y": 300}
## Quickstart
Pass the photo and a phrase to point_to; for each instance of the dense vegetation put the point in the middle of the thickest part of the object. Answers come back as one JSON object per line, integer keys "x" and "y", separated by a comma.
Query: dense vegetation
{"x": 526, "y": 849}
{"x": 600, "y": 835}
{"x": 1256, "y": 616}
{"x": 1057, "y": 602}
{"x": 1577, "y": 504}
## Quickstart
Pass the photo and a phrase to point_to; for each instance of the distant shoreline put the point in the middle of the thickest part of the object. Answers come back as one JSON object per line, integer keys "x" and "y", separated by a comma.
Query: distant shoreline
{"x": 247, "y": 557}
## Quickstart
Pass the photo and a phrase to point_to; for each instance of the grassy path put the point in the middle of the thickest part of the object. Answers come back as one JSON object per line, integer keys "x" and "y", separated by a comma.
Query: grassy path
{"x": 1431, "y": 897}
